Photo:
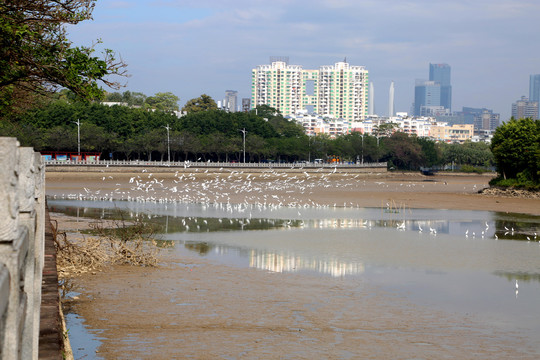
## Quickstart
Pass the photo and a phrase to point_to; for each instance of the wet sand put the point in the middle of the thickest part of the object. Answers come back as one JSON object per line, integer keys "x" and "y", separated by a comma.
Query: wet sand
{"x": 411, "y": 190}
{"x": 193, "y": 308}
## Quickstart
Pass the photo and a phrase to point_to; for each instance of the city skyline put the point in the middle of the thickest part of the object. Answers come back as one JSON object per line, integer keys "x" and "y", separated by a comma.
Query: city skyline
{"x": 190, "y": 48}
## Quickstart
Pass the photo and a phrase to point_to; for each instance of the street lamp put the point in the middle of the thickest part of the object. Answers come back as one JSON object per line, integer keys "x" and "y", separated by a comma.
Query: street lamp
{"x": 168, "y": 143}
{"x": 244, "y": 131}
{"x": 78, "y": 122}
{"x": 362, "y": 148}
{"x": 309, "y": 148}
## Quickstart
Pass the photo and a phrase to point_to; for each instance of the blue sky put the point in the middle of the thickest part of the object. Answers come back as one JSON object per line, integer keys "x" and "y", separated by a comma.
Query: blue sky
{"x": 193, "y": 47}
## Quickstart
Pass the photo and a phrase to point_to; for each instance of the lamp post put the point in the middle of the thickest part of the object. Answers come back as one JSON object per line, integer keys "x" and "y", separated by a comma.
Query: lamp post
{"x": 309, "y": 148}
{"x": 78, "y": 122}
{"x": 244, "y": 131}
{"x": 168, "y": 143}
{"x": 362, "y": 148}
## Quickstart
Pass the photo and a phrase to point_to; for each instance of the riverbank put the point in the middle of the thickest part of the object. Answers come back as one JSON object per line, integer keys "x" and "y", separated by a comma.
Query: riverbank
{"x": 193, "y": 307}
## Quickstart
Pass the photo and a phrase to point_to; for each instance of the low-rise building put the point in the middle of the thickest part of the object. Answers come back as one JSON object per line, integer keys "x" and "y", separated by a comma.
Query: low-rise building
{"x": 454, "y": 133}
{"x": 315, "y": 124}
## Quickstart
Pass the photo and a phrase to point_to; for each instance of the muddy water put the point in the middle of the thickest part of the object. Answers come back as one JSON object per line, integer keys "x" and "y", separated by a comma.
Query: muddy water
{"x": 447, "y": 273}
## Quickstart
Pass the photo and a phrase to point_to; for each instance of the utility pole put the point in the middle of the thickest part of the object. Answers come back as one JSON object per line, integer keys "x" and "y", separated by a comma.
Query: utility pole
{"x": 362, "y": 147}
{"x": 244, "y": 131}
{"x": 78, "y": 122}
{"x": 168, "y": 143}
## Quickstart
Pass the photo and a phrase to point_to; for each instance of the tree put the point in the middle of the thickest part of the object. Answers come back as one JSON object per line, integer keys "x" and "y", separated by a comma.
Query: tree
{"x": 202, "y": 103}
{"x": 134, "y": 98}
{"x": 37, "y": 58}
{"x": 403, "y": 151}
{"x": 516, "y": 148}
{"x": 114, "y": 97}
{"x": 430, "y": 151}
{"x": 61, "y": 138}
{"x": 256, "y": 146}
{"x": 384, "y": 130}
{"x": 285, "y": 127}
{"x": 95, "y": 138}
{"x": 165, "y": 101}
{"x": 266, "y": 111}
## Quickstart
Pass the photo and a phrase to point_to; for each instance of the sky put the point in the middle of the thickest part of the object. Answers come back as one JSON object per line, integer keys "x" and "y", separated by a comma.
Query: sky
{"x": 194, "y": 47}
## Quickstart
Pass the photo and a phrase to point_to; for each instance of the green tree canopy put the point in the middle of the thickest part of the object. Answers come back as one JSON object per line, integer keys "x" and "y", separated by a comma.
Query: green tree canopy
{"x": 37, "y": 57}
{"x": 516, "y": 148}
{"x": 404, "y": 151}
{"x": 165, "y": 101}
{"x": 202, "y": 103}
{"x": 266, "y": 111}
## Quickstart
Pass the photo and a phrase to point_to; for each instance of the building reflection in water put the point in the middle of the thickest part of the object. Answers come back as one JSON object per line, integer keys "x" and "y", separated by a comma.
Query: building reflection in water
{"x": 291, "y": 262}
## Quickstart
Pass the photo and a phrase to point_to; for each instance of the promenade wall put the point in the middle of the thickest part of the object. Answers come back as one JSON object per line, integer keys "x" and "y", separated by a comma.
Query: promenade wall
{"x": 164, "y": 166}
{"x": 22, "y": 235}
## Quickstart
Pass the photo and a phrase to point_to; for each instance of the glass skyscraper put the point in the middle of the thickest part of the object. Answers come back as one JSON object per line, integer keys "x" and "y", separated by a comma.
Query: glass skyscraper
{"x": 435, "y": 94}
{"x": 534, "y": 89}
{"x": 441, "y": 73}
{"x": 427, "y": 94}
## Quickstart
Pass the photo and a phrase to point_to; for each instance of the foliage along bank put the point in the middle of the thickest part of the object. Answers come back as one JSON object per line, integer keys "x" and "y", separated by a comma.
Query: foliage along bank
{"x": 121, "y": 132}
{"x": 516, "y": 149}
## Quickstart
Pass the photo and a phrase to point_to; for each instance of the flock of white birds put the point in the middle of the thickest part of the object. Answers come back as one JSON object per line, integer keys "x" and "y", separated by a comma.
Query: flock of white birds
{"x": 270, "y": 188}
{"x": 239, "y": 191}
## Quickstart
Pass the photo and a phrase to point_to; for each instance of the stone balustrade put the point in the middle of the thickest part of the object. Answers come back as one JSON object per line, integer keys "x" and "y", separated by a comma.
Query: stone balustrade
{"x": 22, "y": 229}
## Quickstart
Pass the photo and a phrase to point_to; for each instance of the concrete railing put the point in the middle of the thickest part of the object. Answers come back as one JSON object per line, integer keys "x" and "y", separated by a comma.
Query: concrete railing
{"x": 206, "y": 164}
{"x": 22, "y": 229}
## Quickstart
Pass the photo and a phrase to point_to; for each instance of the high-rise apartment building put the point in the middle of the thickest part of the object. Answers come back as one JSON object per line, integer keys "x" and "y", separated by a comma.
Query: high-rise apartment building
{"x": 534, "y": 90}
{"x": 525, "y": 109}
{"x": 338, "y": 91}
{"x": 229, "y": 103}
{"x": 371, "y": 102}
{"x": 440, "y": 73}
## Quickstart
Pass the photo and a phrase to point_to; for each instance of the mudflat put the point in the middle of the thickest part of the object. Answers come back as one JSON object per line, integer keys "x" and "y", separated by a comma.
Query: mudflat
{"x": 190, "y": 307}
{"x": 412, "y": 190}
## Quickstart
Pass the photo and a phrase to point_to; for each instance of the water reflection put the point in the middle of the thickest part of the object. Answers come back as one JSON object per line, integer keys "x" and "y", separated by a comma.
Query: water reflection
{"x": 178, "y": 222}
{"x": 280, "y": 261}
{"x": 209, "y": 218}
{"x": 454, "y": 260}
{"x": 294, "y": 262}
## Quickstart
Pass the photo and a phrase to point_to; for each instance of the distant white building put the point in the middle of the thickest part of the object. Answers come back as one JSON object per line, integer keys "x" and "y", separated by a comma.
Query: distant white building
{"x": 419, "y": 126}
{"x": 315, "y": 124}
{"x": 112, "y": 103}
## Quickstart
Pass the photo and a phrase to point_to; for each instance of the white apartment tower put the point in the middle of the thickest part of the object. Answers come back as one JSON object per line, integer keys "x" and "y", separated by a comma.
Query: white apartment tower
{"x": 338, "y": 91}
{"x": 371, "y": 103}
